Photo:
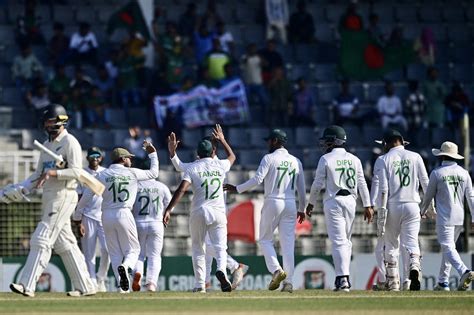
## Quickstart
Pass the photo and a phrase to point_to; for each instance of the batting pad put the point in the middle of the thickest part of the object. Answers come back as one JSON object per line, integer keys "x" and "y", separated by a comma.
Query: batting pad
{"x": 66, "y": 247}
{"x": 38, "y": 257}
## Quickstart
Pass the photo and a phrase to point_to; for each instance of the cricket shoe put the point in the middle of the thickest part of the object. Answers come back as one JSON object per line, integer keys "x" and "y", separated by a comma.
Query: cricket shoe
{"x": 238, "y": 275}
{"x": 406, "y": 285}
{"x": 393, "y": 285}
{"x": 342, "y": 284}
{"x": 415, "y": 279}
{"x": 277, "y": 278}
{"x": 379, "y": 286}
{"x": 150, "y": 287}
{"x": 20, "y": 289}
{"x": 466, "y": 280}
{"x": 119, "y": 290}
{"x": 287, "y": 287}
{"x": 441, "y": 286}
{"x": 199, "y": 290}
{"x": 124, "y": 282}
{"x": 136, "y": 281}
{"x": 225, "y": 284}
{"x": 77, "y": 293}
{"x": 101, "y": 286}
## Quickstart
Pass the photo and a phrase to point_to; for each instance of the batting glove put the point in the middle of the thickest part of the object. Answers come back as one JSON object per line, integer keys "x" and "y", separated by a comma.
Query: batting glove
{"x": 13, "y": 192}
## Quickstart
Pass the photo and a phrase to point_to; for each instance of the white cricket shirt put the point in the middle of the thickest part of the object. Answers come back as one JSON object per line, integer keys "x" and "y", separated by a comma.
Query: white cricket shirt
{"x": 400, "y": 174}
{"x": 69, "y": 148}
{"x": 339, "y": 170}
{"x": 374, "y": 188}
{"x": 90, "y": 208}
{"x": 152, "y": 197}
{"x": 282, "y": 176}
{"x": 121, "y": 184}
{"x": 206, "y": 177}
{"x": 449, "y": 184}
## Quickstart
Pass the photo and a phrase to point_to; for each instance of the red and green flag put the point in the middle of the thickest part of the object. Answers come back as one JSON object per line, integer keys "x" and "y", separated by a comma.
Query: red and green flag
{"x": 361, "y": 58}
{"x": 129, "y": 17}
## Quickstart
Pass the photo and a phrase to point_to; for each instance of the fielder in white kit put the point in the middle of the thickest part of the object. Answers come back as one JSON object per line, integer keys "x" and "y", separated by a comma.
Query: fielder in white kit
{"x": 208, "y": 210}
{"x": 381, "y": 281}
{"x": 401, "y": 173}
{"x": 58, "y": 202}
{"x": 89, "y": 213}
{"x": 450, "y": 184}
{"x": 283, "y": 177}
{"x": 339, "y": 177}
{"x": 121, "y": 182}
{"x": 152, "y": 198}
{"x": 238, "y": 270}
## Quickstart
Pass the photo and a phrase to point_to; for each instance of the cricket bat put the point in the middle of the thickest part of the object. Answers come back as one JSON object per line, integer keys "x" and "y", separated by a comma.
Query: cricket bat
{"x": 82, "y": 176}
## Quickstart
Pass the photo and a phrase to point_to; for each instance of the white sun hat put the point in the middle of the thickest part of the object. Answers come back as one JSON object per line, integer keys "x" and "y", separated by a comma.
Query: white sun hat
{"x": 448, "y": 149}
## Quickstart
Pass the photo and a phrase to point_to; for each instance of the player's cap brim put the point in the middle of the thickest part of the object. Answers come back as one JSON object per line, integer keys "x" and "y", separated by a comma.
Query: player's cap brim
{"x": 381, "y": 142}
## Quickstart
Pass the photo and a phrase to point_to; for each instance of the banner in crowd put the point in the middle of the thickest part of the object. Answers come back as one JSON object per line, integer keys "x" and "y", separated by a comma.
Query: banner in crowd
{"x": 203, "y": 106}
{"x": 311, "y": 272}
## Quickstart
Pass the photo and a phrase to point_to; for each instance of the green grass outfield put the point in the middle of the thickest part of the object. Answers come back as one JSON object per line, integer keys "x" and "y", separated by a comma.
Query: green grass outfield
{"x": 244, "y": 302}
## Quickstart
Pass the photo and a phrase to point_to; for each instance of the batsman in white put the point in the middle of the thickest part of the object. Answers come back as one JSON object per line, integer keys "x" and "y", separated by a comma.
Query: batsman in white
{"x": 450, "y": 184}
{"x": 152, "y": 197}
{"x": 400, "y": 174}
{"x": 238, "y": 270}
{"x": 208, "y": 210}
{"x": 339, "y": 177}
{"x": 58, "y": 202}
{"x": 89, "y": 214}
{"x": 121, "y": 182}
{"x": 283, "y": 177}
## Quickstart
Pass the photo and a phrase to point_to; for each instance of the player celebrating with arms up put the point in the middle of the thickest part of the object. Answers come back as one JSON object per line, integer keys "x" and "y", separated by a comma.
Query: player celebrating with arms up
{"x": 449, "y": 184}
{"x": 121, "y": 182}
{"x": 208, "y": 210}
{"x": 282, "y": 174}
{"x": 339, "y": 176}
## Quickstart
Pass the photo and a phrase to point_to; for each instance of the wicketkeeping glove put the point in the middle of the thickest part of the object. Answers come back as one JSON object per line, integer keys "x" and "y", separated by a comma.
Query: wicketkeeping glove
{"x": 381, "y": 219}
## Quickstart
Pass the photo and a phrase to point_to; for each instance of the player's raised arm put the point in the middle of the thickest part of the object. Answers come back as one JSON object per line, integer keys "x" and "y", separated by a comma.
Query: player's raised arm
{"x": 218, "y": 134}
{"x": 152, "y": 172}
{"x": 175, "y": 160}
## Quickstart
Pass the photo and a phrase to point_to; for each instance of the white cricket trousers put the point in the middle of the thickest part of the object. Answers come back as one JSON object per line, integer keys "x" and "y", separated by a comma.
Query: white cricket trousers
{"x": 339, "y": 214}
{"x": 403, "y": 221}
{"x": 232, "y": 264}
{"x": 121, "y": 237}
{"x": 150, "y": 236}
{"x": 54, "y": 231}
{"x": 447, "y": 237}
{"x": 203, "y": 221}
{"x": 380, "y": 259}
{"x": 95, "y": 231}
{"x": 281, "y": 214}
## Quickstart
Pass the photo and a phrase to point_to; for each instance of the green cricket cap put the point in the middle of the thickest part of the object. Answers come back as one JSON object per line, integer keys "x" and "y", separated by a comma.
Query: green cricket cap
{"x": 277, "y": 134}
{"x": 204, "y": 148}
{"x": 118, "y": 153}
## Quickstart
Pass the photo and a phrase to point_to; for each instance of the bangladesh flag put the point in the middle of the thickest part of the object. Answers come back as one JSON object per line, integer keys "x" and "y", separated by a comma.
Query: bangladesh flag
{"x": 129, "y": 17}
{"x": 362, "y": 59}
